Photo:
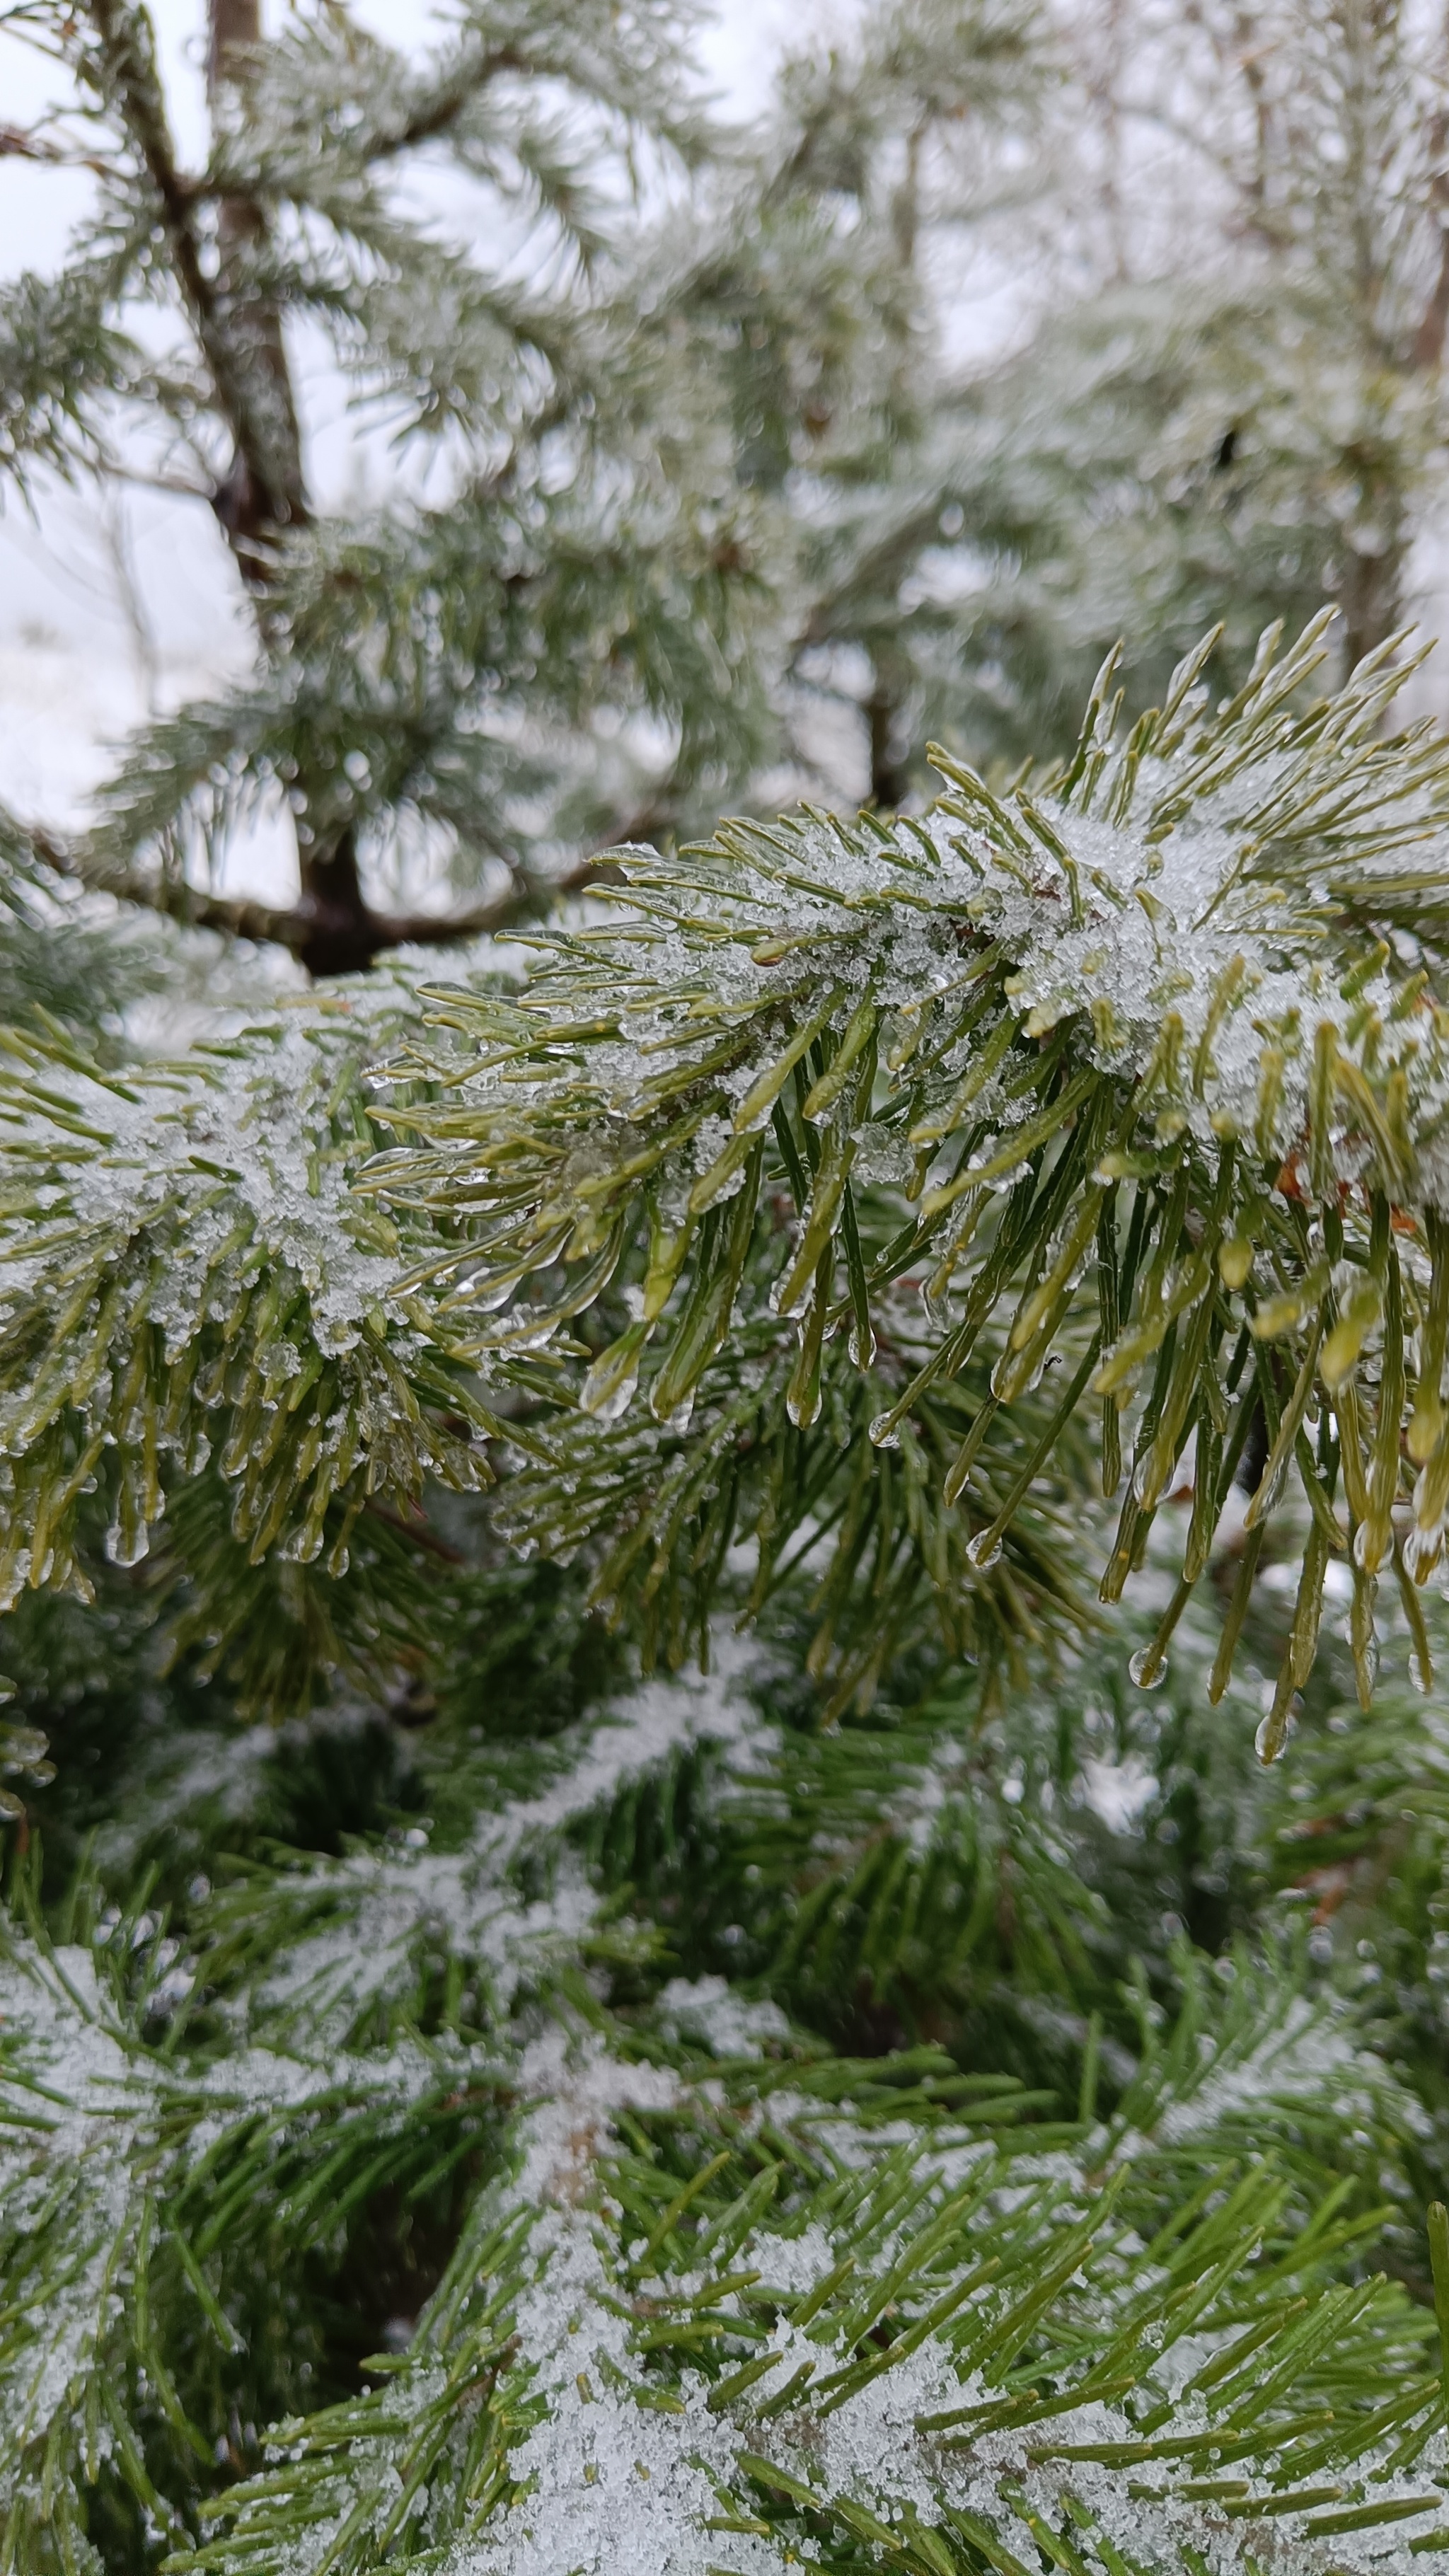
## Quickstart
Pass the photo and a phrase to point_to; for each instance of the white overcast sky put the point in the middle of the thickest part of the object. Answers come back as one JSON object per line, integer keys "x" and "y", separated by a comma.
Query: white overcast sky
{"x": 71, "y": 675}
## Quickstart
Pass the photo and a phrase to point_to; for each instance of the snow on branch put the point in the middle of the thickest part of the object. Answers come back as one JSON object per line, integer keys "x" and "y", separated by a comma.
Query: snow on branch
{"x": 1139, "y": 1072}
{"x": 876, "y": 1180}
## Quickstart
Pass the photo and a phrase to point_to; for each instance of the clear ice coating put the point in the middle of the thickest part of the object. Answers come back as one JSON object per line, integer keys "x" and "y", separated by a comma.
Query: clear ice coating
{"x": 1148, "y": 1667}
{"x": 238, "y": 1276}
{"x": 338, "y": 1303}
{"x": 1269, "y": 1739}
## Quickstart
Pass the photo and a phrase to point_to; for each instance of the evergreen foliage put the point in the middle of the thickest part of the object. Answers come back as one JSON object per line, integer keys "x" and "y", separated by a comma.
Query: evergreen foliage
{"x": 1141, "y": 1068}
{"x": 666, "y": 413}
{"x": 459, "y": 2159}
{"x": 1241, "y": 417}
{"x": 707, "y": 1866}
{"x": 780, "y": 2110}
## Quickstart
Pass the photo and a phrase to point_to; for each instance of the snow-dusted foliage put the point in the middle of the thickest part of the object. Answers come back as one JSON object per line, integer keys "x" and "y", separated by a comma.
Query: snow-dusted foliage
{"x": 617, "y": 1968}
{"x": 1166, "y": 1017}
{"x": 798, "y": 2305}
{"x": 719, "y": 2298}
{"x": 201, "y": 1212}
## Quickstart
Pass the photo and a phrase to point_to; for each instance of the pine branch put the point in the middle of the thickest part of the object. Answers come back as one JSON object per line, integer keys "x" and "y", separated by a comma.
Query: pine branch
{"x": 329, "y": 938}
{"x": 1072, "y": 1019}
{"x": 33, "y": 144}
{"x": 1022, "y": 1046}
{"x": 999, "y": 1017}
{"x": 847, "y": 2302}
{"x": 277, "y": 1303}
{"x": 930, "y": 2274}
{"x": 477, "y": 721}
{"x": 59, "y": 358}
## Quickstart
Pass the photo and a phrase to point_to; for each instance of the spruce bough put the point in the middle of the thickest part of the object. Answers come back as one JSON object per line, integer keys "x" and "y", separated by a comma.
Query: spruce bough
{"x": 846, "y": 1181}
{"x": 783, "y": 2142}
{"x": 708, "y": 2293}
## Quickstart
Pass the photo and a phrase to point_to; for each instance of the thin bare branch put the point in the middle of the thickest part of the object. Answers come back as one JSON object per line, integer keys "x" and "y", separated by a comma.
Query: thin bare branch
{"x": 306, "y": 929}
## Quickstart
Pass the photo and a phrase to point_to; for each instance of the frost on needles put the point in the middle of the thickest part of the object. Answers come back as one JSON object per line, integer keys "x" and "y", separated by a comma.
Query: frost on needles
{"x": 852, "y": 1187}
{"x": 720, "y": 2299}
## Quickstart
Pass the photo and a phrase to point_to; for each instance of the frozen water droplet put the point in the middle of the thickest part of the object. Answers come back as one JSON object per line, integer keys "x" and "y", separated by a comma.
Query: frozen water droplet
{"x": 1148, "y": 1668}
{"x": 1007, "y": 1380}
{"x": 1268, "y": 1742}
{"x": 127, "y": 1547}
{"x": 607, "y": 1408}
{"x": 884, "y": 1433}
{"x": 1420, "y": 1673}
{"x": 1422, "y": 1549}
{"x": 533, "y": 1334}
{"x": 983, "y": 1550}
{"x": 1368, "y": 1551}
{"x": 862, "y": 1347}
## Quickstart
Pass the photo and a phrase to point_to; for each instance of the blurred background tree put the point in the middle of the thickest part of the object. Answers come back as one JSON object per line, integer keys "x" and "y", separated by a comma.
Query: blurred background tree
{"x": 672, "y": 402}
{"x": 716, "y": 463}
{"x": 1230, "y": 404}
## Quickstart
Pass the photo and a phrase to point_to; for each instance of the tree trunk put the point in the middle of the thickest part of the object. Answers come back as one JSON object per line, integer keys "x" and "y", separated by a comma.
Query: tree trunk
{"x": 1369, "y": 596}
{"x": 263, "y": 492}
{"x": 889, "y": 778}
{"x": 1375, "y": 547}
{"x": 341, "y": 937}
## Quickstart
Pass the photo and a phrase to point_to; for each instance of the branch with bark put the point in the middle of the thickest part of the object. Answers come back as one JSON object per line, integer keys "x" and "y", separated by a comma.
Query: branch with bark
{"x": 331, "y": 929}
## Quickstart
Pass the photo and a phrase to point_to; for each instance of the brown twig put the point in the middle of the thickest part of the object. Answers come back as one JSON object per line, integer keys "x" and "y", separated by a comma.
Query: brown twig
{"x": 326, "y": 943}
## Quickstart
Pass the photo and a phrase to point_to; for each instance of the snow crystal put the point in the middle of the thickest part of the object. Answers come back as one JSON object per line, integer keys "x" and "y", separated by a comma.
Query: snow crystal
{"x": 374, "y": 1906}
{"x": 729, "y": 2023}
{"x": 75, "y": 2098}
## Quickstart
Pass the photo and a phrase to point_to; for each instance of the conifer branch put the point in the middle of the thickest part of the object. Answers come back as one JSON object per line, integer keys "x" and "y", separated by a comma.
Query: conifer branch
{"x": 1135, "y": 1078}
{"x": 341, "y": 940}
